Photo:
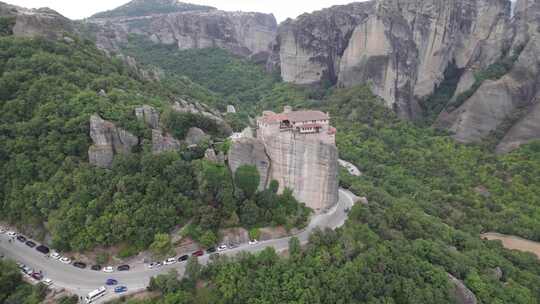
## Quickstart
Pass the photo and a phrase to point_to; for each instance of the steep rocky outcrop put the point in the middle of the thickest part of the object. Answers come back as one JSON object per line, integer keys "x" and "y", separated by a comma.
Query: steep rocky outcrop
{"x": 43, "y": 22}
{"x": 245, "y": 34}
{"x": 496, "y": 101}
{"x": 308, "y": 50}
{"x": 250, "y": 151}
{"x": 108, "y": 140}
{"x": 400, "y": 48}
{"x": 149, "y": 115}
{"x": 523, "y": 132}
{"x": 308, "y": 167}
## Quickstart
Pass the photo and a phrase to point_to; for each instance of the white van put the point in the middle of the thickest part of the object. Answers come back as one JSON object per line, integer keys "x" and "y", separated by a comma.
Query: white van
{"x": 96, "y": 294}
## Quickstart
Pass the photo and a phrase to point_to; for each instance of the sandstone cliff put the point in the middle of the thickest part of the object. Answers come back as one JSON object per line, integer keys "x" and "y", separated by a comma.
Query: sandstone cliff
{"x": 309, "y": 48}
{"x": 245, "y": 34}
{"x": 108, "y": 140}
{"x": 308, "y": 167}
{"x": 496, "y": 102}
{"x": 400, "y": 48}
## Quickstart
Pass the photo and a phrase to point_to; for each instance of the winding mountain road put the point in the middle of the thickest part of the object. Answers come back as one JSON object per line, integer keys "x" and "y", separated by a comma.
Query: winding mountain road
{"x": 82, "y": 281}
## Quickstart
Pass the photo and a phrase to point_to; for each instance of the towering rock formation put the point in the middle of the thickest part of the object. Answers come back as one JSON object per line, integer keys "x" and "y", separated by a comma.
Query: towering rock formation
{"x": 308, "y": 49}
{"x": 298, "y": 150}
{"x": 497, "y": 101}
{"x": 400, "y": 48}
{"x": 108, "y": 140}
{"x": 187, "y": 26}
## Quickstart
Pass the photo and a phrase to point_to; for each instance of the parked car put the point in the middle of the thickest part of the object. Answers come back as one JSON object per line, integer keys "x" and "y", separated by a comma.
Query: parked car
{"x": 120, "y": 289}
{"x": 37, "y": 276}
{"x": 185, "y": 257}
{"x": 233, "y": 245}
{"x": 96, "y": 267}
{"x": 11, "y": 233}
{"x": 65, "y": 260}
{"x": 222, "y": 247}
{"x": 55, "y": 255}
{"x": 27, "y": 270}
{"x": 108, "y": 269}
{"x": 198, "y": 253}
{"x": 21, "y": 238}
{"x": 30, "y": 244}
{"x": 123, "y": 268}
{"x": 43, "y": 249}
{"x": 80, "y": 265}
{"x": 211, "y": 250}
{"x": 111, "y": 282}
{"x": 169, "y": 261}
{"x": 2, "y": 230}
{"x": 253, "y": 242}
{"x": 47, "y": 282}
{"x": 154, "y": 265}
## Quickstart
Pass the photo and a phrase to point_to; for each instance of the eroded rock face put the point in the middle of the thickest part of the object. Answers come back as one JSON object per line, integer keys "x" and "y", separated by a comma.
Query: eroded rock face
{"x": 164, "y": 142}
{"x": 108, "y": 140}
{"x": 308, "y": 49}
{"x": 498, "y": 100}
{"x": 245, "y": 34}
{"x": 524, "y": 131}
{"x": 400, "y": 48}
{"x": 250, "y": 151}
{"x": 308, "y": 167}
{"x": 43, "y": 22}
{"x": 149, "y": 115}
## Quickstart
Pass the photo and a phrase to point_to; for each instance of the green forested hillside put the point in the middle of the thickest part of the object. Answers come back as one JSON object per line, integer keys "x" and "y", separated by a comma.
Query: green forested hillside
{"x": 429, "y": 198}
{"x": 48, "y": 90}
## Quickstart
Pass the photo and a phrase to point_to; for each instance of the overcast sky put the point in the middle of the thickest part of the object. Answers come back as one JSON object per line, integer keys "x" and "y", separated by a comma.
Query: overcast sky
{"x": 282, "y": 9}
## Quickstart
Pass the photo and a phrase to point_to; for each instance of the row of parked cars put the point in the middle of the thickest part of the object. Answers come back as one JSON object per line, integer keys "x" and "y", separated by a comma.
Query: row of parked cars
{"x": 108, "y": 269}
{"x": 34, "y": 274}
{"x": 198, "y": 253}
{"x": 57, "y": 256}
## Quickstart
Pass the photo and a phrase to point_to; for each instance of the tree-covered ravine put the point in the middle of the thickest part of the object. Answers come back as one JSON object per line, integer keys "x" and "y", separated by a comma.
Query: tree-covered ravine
{"x": 429, "y": 197}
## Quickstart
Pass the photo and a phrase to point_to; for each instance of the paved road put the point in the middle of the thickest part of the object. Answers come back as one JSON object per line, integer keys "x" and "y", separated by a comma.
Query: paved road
{"x": 82, "y": 281}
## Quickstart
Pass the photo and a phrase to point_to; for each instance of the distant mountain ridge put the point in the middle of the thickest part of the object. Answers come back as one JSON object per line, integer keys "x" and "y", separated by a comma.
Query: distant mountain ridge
{"x": 139, "y": 8}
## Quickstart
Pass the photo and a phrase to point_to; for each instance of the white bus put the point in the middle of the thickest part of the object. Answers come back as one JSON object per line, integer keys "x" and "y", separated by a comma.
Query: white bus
{"x": 96, "y": 294}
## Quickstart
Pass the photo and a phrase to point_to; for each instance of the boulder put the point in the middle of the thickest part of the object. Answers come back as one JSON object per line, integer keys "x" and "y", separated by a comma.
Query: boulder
{"x": 149, "y": 115}
{"x": 460, "y": 292}
{"x": 108, "y": 140}
{"x": 195, "y": 136}
{"x": 164, "y": 142}
{"x": 250, "y": 151}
